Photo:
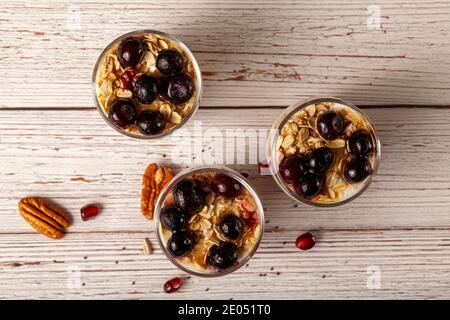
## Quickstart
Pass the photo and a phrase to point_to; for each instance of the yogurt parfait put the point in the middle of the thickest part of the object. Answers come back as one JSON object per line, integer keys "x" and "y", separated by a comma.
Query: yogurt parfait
{"x": 323, "y": 151}
{"x": 209, "y": 221}
{"x": 146, "y": 84}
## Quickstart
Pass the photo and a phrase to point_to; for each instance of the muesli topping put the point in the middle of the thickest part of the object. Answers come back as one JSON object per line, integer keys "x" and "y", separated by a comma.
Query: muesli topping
{"x": 147, "y": 73}
{"x": 209, "y": 221}
{"x": 324, "y": 151}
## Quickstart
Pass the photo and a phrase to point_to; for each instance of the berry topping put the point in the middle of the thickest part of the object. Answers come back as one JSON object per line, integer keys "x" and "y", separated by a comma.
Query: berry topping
{"x": 225, "y": 186}
{"x": 310, "y": 185}
{"x": 320, "y": 160}
{"x": 292, "y": 168}
{"x": 357, "y": 170}
{"x": 330, "y": 125}
{"x": 305, "y": 241}
{"x": 172, "y": 285}
{"x": 223, "y": 256}
{"x": 180, "y": 243}
{"x": 248, "y": 204}
{"x": 127, "y": 78}
{"x": 189, "y": 196}
{"x": 360, "y": 143}
{"x": 145, "y": 89}
{"x": 89, "y": 211}
{"x": 122, "y": 113}
{"x": 150, "y": 123}
{"x": 130, "y": 52}
{"x": 231, "y": 226}
{"x": 169, "y": 62}
{"x": 178, "y": 88}
{"x": 173, "y": 218}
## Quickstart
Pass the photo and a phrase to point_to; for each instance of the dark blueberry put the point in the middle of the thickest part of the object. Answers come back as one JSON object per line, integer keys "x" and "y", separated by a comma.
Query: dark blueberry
{"x": 169, "y": 62}
{"x": 173, "y": 218}
{"x": 293, "y": 168}
{"x": 150, "y": 123}
{"x": 360, "y": 143}
{"x": 223, "y": 256}
{"x": 231, "y": 226}
{"x": 225, "y": 186}
{"x": 180, "y": 243}
{"x": 310, "y": 185}
{"x": 320, "y": 160}
{"x": 122, "y": 113}
{"x": 130, "y": 52}
{"x": 211, "y": 250}
{"x": 145, "y": 89}
{"x": 330, "y": 125}
{"x": 189, "y": 196}
{"x": 357, "y": 170}
{"x": 178, "y": 88}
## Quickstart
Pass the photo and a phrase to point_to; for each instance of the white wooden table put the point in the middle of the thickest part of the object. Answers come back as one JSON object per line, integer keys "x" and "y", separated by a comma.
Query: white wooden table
{"x": 257, "y": 57}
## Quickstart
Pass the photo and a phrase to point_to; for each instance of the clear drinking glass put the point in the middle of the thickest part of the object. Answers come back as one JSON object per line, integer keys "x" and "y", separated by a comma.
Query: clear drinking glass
{"x": 176, "y": 44}
{"x": 166, "y": 194}
{"x": 275, "y": 136}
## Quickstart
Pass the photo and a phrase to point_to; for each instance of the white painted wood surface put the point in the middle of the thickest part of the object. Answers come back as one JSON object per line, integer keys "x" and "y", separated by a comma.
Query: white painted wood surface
{"x": 54, "y": 144}
{"x": 252, "y": 53}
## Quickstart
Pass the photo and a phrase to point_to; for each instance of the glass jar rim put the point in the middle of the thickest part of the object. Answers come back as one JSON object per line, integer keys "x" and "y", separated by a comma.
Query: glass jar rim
{"x": 198, "y": 76}
{"x": 188, "y": 172}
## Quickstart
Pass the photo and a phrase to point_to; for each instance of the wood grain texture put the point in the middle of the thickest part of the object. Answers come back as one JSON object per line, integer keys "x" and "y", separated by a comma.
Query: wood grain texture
{"x": 413, "y": 264}
{"x": 74, "y": 157}
{"x": 252, "y": 53}
{"x": 400, "y": 224}
{"x": 256, "y": 57}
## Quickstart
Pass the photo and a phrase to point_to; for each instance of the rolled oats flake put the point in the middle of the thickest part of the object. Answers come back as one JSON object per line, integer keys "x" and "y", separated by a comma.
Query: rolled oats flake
{"x": 340, "y": 187}
{"x": 209, "y": 199}
{"x": 106, "y": 88}
{"x": 162, "y": 44}
{"x": 279, "y": 141}
{"x": 336, "y": 144}
{"x": 310, "y": 110}
{"x": 303, "y": 149}
{"x": 350, "y": 129}
{"x": 124, "y": 93}
{"x": 175, "y": 117}
{"x": 166, "y": 111}
{"x": 321, "y": 108}
{"x": 288, "y": 141}
{"x": 292, "y": 150}
{"x": 304, "y": 134}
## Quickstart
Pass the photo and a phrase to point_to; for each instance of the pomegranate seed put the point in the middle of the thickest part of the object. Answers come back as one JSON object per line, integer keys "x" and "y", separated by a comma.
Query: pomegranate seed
{"x": 248, "y": 205}
{"x": 263, "y": 169}
{"x": 172, "y": 285}
{"x": 131, "y": 73}
{"x": 127, "y": 78}
{"x": 124, "y": 81}
{"x": 251, "y": 220}
{"x": 305, "y": 241}
{"x": 89, "y": 211}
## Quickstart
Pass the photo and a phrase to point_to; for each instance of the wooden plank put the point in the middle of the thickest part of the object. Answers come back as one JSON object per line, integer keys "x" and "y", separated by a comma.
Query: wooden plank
{"x": 411, "y": 264}
{"x": 267, "y": 54}
{"x": 73, "y": 157}
{"x": 253, "y": 53}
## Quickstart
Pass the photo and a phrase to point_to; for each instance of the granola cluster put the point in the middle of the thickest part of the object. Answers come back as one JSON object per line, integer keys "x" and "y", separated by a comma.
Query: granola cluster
{"x": 300, "y": 138}
{"x": 115, "y": 81}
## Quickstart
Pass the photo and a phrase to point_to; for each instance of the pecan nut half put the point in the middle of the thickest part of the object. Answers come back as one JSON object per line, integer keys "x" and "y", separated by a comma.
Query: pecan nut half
{"x": 153, "y": 181}
{"x": 44, "y": 216}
